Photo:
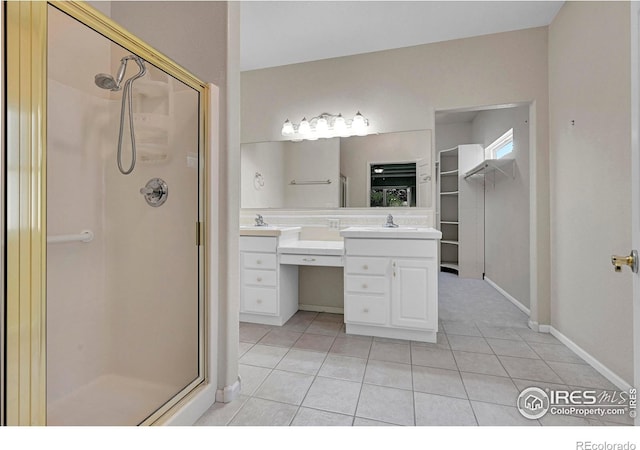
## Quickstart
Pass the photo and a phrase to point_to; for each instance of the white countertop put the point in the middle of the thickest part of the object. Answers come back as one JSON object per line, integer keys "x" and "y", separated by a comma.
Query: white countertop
{"x": 312, "y": 248}
{"x": 267, "y": 231}
{"x": 380, "y": 232}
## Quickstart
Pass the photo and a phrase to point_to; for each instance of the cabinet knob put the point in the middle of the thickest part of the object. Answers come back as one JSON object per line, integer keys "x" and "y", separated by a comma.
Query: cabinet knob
{"x": 259, "y": 301}
{"x": 365, "y": 267}
{"x": 258, "y": 261}
{"x": 259, "y": 279}
{"x": 364, "y": 285}
{"x": 365, "y": 310}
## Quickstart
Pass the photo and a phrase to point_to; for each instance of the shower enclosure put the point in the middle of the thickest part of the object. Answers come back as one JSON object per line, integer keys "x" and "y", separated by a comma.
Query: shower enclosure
{"x": 123, "y": 196}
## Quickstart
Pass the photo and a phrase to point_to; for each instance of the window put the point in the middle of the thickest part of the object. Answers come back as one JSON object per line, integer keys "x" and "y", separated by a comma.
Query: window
{"x": 501, "y": 147}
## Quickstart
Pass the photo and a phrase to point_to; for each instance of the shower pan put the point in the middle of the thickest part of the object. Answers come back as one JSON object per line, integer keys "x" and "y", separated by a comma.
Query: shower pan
{"x": 123, "y": 291}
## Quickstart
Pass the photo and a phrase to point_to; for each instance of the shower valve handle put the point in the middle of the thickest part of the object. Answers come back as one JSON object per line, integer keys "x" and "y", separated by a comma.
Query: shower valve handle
{"x": 155, "y": 192}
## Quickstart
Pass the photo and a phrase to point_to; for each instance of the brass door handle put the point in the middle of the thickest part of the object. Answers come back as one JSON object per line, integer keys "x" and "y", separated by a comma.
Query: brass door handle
{"x": 631, "y": 261}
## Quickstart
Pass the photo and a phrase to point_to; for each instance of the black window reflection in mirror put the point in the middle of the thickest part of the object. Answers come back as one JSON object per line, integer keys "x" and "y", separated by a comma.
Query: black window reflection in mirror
{"x": 393, "y": 185}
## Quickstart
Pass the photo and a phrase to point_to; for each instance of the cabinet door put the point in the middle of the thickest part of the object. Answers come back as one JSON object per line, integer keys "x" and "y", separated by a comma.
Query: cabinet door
{"x": 414, "y": 295}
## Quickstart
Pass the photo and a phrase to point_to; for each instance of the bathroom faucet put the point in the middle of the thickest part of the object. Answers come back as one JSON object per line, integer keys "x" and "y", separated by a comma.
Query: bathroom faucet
{"x": 260, "y": 221}
{"x": 390, "y": 223}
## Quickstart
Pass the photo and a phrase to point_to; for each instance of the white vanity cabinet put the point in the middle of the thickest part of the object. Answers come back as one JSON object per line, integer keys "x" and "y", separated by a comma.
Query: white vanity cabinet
{"x": 268, "y": 291}
{"x": 391, "y": 284}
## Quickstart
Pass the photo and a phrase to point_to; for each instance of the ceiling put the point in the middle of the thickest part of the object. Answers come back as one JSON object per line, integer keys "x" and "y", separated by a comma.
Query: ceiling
{"x": 276, "y": 33}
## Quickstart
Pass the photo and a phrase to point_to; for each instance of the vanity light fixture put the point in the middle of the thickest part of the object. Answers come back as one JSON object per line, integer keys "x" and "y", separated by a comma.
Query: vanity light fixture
{"x": 325, "y": 125}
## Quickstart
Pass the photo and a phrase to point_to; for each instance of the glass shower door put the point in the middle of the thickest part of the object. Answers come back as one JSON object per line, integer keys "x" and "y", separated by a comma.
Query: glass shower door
{"x": 124, "y": 296}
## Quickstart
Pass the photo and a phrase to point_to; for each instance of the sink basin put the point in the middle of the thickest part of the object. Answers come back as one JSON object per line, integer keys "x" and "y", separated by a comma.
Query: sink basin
{"x": 269, "y": 230}
{"x": 400, "y": 232}
{"x": 381, "y": 228}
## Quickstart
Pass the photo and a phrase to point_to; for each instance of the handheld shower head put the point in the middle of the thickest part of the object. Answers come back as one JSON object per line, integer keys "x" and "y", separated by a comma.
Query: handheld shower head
{"x": 106, "y": 81}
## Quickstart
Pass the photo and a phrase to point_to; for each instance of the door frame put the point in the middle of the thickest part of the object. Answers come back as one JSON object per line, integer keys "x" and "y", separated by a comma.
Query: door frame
{"x": 535, "y": 254}
{"x": 635, "y": 178}
{"x": 26, "y": 242}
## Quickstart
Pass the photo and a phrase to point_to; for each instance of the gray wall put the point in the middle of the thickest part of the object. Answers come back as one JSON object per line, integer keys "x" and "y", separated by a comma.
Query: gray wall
{"x": 506, "y": 203}
{"x": 589, "y": 83}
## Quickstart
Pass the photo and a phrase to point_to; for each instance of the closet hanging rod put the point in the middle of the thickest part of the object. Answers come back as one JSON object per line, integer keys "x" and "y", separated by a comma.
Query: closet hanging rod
{"x": 83, "y": 236}
{"x": 294, "y": 182}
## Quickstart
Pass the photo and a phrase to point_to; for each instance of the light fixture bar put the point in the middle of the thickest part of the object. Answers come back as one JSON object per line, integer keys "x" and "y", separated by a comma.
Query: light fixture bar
{"x": 325, "y": 125}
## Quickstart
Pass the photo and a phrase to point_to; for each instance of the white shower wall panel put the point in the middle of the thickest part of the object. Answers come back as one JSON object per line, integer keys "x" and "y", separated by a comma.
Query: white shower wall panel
{"x": 152, "y": 265}
{"x": 77, "y": 332}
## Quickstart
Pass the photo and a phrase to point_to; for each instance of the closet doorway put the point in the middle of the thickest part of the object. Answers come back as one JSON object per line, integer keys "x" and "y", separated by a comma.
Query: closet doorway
{"x": 483, "y": 204}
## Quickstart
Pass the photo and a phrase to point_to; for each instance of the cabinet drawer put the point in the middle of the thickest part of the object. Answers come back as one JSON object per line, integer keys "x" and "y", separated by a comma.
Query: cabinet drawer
{"x": 367, "y": 266}
{"x": 366, "y": 285}
{"x": 366, "y": 309}
{"x": 311, "y": 260}
{"x": 259, "y": 300}
{"x": 258, "y": 244}
{"x": 259, "y": 277}
{"x": 408, "y": 248}
{"x": 259, "y": 260}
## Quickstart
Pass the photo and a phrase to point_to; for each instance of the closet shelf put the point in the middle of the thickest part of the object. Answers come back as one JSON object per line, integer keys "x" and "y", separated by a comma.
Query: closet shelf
{"x": 505, "y": 166}
{"x": 448, "y": 265}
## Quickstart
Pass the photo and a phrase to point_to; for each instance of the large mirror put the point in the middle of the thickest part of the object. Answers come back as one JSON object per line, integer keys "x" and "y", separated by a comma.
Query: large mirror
{"x": 388, "y": 169}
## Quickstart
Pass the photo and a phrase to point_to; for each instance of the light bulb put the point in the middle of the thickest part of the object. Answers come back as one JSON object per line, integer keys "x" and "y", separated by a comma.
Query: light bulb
{"x": 287, "y": 128}
{"x": 340, "y": 126}
{"x": 304, "y": 127}
{"x": 359, "y": 124}
{"x": 322, "y": 126}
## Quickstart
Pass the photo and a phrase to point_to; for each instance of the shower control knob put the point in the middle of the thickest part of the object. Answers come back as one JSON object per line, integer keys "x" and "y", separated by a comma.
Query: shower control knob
{"x": 155, "y": 192}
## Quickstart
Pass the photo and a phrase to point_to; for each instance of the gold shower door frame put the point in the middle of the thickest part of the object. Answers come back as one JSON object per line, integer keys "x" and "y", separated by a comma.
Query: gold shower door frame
{"x": 26, "y": 194}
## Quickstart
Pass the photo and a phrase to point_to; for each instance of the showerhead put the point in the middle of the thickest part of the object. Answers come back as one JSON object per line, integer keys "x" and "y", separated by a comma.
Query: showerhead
{"x": 106, "y": 81}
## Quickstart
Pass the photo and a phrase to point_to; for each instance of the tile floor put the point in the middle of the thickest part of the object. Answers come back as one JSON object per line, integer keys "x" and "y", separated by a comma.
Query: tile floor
{"x": 309, "y": 372}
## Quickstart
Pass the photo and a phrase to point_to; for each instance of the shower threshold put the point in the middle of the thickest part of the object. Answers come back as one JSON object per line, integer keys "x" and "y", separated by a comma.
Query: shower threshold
{"x": 110, "y": 400}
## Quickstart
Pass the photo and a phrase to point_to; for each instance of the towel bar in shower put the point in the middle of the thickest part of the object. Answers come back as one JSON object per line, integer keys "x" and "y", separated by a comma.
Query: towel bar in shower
{"x": 83, "y": 236}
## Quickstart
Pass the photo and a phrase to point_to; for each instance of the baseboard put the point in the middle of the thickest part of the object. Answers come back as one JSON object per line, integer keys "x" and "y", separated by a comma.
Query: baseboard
{"x": 544, "y": 328}
{"x": 508, "y": 296}
{"x": 593, "y": 362}
{"x": 229, "y": 393}
{"x": 316, "y": 308}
